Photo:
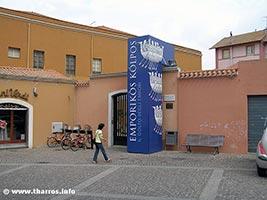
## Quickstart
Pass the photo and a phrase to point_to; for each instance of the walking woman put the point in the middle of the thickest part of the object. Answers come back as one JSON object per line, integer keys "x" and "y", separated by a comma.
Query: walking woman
{"x": 98, "y": 144}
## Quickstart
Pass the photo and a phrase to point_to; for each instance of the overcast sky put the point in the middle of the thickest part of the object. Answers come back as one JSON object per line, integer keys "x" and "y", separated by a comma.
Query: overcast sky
{"x": 196, "y": 24}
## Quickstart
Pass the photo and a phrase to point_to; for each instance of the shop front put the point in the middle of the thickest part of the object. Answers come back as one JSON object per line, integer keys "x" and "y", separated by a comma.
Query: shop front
{"x": 30, "y": 100}
{"x": 15, "y": 123}
{"x": 14, "y": 117}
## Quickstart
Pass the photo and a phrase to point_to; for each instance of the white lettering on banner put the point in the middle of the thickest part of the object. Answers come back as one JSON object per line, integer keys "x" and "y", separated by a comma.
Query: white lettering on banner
{"x": 132, "y": 92}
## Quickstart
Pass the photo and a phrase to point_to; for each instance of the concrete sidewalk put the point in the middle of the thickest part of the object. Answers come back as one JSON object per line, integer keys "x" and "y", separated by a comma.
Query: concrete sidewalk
{"x": 164, "y": 175}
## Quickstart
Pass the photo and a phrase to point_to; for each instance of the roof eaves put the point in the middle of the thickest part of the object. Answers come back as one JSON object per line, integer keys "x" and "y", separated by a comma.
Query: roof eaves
{"x": 37, "y": 79}
{"x": 232, "y": 72}
{"x": 240, "y": 39}
{"x": 43, "y": 19}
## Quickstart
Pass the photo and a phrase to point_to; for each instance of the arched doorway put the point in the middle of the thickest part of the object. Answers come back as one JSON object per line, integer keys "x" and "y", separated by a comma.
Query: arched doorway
{"x": 17, "y": 122}
{"x": 117, "y": 118}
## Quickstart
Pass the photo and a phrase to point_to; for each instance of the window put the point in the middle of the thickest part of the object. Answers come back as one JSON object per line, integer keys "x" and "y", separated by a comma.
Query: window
{"x": 97, "y": 66}
{"x": 250, "y": 50}
{"x": 70, "y": 64}
{"x": 226, "y": 53}
{"x": 38, "y": 59}
{"x": 13, "y": 52}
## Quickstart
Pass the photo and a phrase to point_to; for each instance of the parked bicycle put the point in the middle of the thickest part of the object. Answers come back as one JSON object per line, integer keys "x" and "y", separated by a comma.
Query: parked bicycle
{"x": 82, "y": 139}
{"x": 56, "y": 138}
{"x": 65, "y": 142}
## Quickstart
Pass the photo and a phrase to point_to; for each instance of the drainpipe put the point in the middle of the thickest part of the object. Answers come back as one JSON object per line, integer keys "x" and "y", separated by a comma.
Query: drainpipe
{"x": 216, "y": 58}
{"x": 231, "y": 55}
{"x": 28, "y": 44}
{"x": 92, "y": 54}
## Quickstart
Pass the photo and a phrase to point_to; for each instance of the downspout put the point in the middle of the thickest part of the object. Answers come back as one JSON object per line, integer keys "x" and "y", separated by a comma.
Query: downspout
{"x": 92, "y": 55}
{"x": 216, "y": 58}
{"x": 231, "y": 55}
{"x": 28, "y": 44}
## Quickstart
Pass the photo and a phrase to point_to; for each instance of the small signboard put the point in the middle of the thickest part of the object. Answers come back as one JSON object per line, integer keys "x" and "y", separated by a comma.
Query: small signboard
{"x": 169, "y": 97}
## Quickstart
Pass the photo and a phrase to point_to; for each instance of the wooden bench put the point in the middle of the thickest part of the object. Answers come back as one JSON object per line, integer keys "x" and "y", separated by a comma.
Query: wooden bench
{"x": 202, "y": 140}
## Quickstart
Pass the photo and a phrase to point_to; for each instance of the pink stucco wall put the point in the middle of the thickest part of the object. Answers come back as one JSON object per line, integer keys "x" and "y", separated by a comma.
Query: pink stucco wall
{"x": 92, "y": 103}
{"x": 219, "y": 105}
{"x": 215, "y": 105}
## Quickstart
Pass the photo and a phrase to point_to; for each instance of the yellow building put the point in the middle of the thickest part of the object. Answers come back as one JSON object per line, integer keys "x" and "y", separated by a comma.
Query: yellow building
{"x": 30, "y": 100}
{"x": 33, "y": 40}
{"x": 39, "y": 58}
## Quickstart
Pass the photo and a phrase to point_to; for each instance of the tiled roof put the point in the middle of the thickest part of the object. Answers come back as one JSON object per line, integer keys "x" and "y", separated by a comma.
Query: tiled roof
{"x": 241, "y": 39}
{"x": 26, "y": 73}
{"x": 208, "y": 73}
{"x": 82, "y": 83}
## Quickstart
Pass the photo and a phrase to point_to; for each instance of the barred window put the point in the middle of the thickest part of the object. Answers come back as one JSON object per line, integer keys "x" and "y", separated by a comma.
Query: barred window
{"x": 70, "y": 64}
{"x": 38, "y": 59}
{"x": 13, "y": 52}
{"x": 97, "y": 66}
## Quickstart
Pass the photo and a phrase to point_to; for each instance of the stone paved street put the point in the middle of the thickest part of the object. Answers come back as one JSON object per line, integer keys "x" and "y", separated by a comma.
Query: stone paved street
{"x": 164, "y": 175}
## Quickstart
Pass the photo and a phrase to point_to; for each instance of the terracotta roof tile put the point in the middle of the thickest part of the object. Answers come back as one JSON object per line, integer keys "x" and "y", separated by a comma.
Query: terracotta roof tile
{"x": 26, "y": 73}
{"x": 208, "y": 73}
{"x": 241, "y": 39}
{"x": 82, "y": 83}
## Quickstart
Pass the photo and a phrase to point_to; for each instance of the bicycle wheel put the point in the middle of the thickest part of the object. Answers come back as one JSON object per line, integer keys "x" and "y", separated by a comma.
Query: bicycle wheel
{"x": 87, "y": 145}
{"x": 51, "y": 142}
{"x": 89, "y": 142}
{"x": 74, "y": 145}
{"x": 65, "y": 143}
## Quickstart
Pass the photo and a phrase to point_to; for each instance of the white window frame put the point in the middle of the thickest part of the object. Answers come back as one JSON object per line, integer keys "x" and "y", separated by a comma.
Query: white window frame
{"x": 97, "y": 66}
{"x": 13, "y": 52}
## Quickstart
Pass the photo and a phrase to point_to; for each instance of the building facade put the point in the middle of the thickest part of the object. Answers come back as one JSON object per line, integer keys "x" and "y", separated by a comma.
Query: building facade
{"x": 230, "y": 102}
{"x": 248, "y": 46}
{"x": 57, "y": 71}
{"x": 33, "y": 40}
{"x": 30, "y": 100}
{"x": 69, "y": 73}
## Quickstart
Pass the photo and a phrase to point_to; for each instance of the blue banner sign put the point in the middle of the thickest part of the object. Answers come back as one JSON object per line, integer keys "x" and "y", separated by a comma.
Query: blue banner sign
{"x": 146, "y": 55}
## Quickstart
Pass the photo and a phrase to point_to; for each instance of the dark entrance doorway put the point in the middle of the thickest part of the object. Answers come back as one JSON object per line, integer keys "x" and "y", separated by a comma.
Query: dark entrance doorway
{"x": 257, "y": 116}
{"x": 120, "y": 119}
{"x": 15, "y": 118}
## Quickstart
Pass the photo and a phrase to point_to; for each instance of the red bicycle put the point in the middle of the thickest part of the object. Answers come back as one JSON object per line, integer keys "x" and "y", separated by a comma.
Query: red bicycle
{"x": 81, "y": 141}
